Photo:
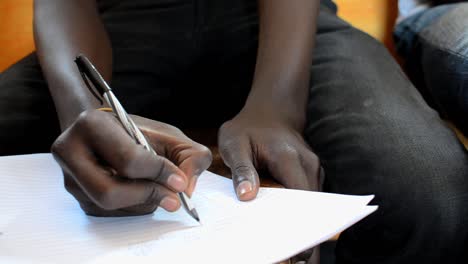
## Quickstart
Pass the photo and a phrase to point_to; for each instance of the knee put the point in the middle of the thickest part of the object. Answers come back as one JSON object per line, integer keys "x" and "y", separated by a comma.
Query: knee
{"x": 427, "y": 207}
{"x": 421, "y": 188}
{"x": 422, "y": 220}
{"x": 449, "y": 31}
{"x": 434, "y": 210}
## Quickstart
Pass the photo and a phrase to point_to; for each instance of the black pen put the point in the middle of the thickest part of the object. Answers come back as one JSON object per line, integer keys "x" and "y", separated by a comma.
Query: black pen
{"x": 89, "y": 72}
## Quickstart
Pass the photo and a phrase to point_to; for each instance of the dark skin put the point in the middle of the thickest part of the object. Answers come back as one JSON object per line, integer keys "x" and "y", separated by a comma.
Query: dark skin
{"x": 128, "y": 180}
{"x": 267, "y": 133}
{"x": 110, "y": 175}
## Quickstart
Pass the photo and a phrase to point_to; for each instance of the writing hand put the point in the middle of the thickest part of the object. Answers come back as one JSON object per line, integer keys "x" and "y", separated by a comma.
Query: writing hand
{"x": 110, "y": 175}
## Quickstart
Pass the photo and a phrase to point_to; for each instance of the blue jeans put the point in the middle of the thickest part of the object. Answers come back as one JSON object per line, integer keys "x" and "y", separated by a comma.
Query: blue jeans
{"x": 434, "y": 44}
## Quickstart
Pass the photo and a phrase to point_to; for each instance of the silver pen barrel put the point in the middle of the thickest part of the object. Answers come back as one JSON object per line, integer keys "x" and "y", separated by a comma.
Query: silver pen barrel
{"x": 136, "y": 134}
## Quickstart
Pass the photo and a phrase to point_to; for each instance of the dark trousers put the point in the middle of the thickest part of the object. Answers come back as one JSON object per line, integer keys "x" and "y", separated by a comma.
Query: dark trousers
{"x": 190, "y": 63}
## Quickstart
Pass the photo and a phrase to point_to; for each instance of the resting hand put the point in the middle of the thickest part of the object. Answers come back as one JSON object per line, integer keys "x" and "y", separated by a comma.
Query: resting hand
{"x": 253, "y": 141}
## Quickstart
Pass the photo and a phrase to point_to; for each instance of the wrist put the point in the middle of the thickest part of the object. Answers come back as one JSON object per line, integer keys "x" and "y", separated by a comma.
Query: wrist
{"x": 284, "y": 96}
{"x": 69, "y": 112}
{"x": 289, "y": 112}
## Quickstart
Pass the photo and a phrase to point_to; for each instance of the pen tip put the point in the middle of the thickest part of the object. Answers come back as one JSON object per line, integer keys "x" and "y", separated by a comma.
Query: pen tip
{"x": 195, "y": 215}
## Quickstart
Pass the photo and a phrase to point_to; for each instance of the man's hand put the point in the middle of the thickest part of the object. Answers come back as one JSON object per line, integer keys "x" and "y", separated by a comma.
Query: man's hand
{"x": 253, "y": 141}
{"x": 110, "y": 175}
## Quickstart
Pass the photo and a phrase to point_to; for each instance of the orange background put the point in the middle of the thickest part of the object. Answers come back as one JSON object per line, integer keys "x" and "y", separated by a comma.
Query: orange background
{"x": 16, "y": 39}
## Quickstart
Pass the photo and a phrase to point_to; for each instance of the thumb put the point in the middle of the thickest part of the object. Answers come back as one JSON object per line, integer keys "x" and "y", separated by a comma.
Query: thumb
{"x": 238, "y": 157}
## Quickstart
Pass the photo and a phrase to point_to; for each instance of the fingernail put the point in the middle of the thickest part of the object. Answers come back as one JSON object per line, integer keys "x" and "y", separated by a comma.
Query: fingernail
{"x": 243, "y": 188}
{"x": 176, "y": 182}
{"x": 169, "y": 203}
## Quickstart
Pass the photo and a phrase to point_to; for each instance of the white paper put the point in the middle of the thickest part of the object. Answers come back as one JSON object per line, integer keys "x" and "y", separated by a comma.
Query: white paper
{"x": 41, "y": 223}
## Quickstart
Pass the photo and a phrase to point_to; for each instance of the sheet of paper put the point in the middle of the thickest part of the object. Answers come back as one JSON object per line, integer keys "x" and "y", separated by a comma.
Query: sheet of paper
{"x": 41, "y": 223}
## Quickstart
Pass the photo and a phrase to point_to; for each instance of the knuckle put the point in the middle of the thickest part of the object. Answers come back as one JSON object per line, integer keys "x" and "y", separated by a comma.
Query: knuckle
{"x": 89, "y": 119}
{"x": 154, "y": 196}
{"x": 70, "y": 185}
{"x": 128, "y": 157}
{"x": 226, "y": 126}
{"x": 175, "y": 129}
{"x": 168, "y": 128}
{"x": 228, "y": 144}
{"x": 106, "y": 198}
{"x": 59, "y": 146}
{"x": 242, "y": 169}
{"x": 61, "y": 152}
{"x": 91, "y": 209}
{"x": 162, "y": 168}
{"x": 226, "y": 130}
{"x": 142, "y": 209}
{"x": 229, "y": 139}
{"x": 126, "y": 171}
{"x": 83, "y": 119}
{"x": 314, "y": 158}
{"x": 241, "y": 172}
{"x": 310, "y": 157}
{"x": 204, "y": 155}
{"x": 288, "y": 152}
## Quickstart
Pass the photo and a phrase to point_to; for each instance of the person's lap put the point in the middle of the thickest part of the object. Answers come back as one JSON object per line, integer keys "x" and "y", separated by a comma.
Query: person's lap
{"x": 371, "y": 129}
{"x": 434, "y": 44}
{"x": 28, "y": 122}
{"x": 375, "y": 134}
{"x": 167, "y": 65}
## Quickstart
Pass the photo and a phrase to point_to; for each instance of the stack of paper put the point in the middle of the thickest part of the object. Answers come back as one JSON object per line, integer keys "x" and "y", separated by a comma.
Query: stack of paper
{"x": 41, "y": 223}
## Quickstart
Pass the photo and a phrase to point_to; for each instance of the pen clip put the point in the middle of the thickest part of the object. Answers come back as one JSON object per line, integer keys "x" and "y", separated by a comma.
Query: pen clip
{"x": 91, "y": 76}
{"x": 90, "y": 88}
{"x": 102, "y": 92}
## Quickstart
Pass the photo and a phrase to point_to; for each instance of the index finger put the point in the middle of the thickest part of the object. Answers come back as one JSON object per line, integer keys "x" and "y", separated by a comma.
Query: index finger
{"x": 193, "y": 161}
{"x": 109, "y": 192}
{"x": 111, "y": 142}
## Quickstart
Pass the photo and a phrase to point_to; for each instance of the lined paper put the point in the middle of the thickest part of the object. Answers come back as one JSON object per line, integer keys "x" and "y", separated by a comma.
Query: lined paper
{"x": 41, "y": 223}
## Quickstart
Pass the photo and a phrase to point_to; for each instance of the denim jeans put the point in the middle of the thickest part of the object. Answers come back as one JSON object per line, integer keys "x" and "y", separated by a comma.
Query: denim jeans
{"x": 191, "y": 63}
{"x": 434, "y": 44}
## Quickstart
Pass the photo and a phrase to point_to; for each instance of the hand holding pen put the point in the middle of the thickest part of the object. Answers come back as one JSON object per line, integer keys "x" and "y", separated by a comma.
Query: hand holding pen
{"x": 110, "y": 174}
